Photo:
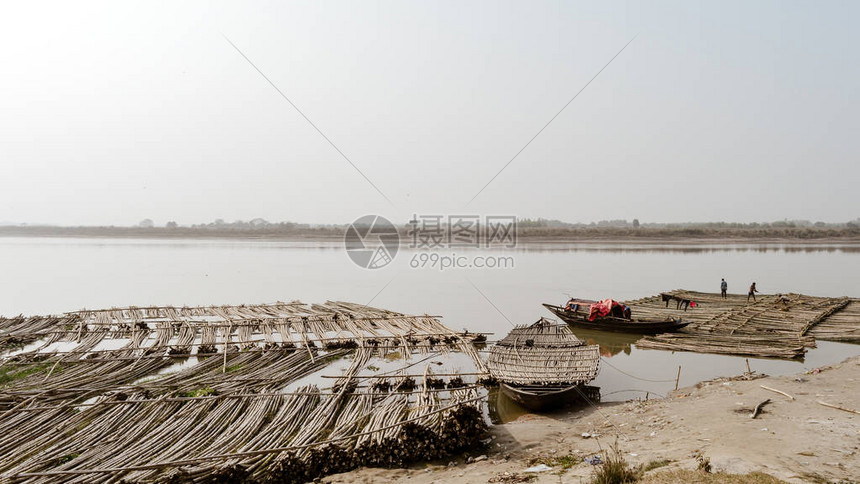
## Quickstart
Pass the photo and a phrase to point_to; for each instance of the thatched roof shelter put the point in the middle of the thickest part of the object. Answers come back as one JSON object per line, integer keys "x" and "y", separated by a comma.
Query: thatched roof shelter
{"x": 544, "y": 353}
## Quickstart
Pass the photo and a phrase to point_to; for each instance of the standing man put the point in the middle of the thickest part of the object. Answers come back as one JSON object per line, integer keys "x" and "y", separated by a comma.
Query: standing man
{"x": 752, "y": 292}
{"x": 723, "y": 288}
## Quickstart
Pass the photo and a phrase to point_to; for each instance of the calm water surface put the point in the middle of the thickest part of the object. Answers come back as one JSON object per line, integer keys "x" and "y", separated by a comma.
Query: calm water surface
{"x": 47, "y": 275}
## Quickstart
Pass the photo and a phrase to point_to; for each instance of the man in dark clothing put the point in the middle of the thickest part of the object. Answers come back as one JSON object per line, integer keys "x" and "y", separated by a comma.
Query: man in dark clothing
{"x": 752, "y": 292}
{"x": 723, "y": 288}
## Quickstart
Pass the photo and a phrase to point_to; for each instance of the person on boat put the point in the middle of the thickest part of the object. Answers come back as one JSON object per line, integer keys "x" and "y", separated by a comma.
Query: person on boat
{"x": 752, "y": 292}
{"x": 571, "y": 305}
{"x": 724, "y": 286}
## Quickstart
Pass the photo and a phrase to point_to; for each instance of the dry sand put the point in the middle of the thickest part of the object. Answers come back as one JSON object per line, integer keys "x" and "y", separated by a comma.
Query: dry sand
{"x": 795, "y": 440}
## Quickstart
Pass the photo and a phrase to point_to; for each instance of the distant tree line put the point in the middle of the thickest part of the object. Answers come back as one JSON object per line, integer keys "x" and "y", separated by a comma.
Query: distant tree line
{"x": 784, "y": 229}
{"x": 621, "y": 223}
{"x": 526, "y": 228}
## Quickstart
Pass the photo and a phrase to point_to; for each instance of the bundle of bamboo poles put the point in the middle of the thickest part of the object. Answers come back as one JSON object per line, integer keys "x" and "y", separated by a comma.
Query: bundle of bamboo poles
{"x": 393, "y": 436}
{"x": 19, "y": 331}
{"x": 167, "y": 394}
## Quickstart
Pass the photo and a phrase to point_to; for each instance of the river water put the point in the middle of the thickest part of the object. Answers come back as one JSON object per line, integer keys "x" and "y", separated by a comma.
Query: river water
{"x": 53, "y": 275}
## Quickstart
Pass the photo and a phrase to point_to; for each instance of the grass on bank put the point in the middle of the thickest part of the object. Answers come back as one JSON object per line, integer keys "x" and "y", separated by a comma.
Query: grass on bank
{"x": 656, "y": 464}
{"x": 698, "y": 477}
{"x": 616, "y": 470}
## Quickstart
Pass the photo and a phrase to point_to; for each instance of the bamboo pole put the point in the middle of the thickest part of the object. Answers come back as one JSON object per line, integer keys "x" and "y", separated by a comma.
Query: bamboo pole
{"x": 359, "y": 377}
{"x": 226, "y": 341}
{"x": 758, "y": 408}
{"x": 777, "y": 391}
{"x": 837, "y": 407}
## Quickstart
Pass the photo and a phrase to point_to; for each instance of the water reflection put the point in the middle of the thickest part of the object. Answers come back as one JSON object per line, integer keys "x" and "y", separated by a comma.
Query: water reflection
{"x": 523, "y": 245}
{"x": 610, "y": 343}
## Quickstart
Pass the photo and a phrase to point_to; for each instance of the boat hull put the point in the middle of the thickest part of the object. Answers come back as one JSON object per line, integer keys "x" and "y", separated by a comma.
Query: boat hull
{"x": 540, "y": 398}
{"x": 618, "y": 325}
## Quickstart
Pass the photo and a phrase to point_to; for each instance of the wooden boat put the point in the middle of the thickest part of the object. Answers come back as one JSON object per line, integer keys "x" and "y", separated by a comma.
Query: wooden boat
{"x": 544, "y": 397}
{"x": 543, "y": 365}
{"x": 613, "y": 322}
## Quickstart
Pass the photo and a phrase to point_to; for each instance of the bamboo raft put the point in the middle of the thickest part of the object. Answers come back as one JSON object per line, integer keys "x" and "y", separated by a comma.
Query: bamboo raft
{"x": 774, "y": 326}
{"x": 96, "y": 414}
{"x": 843, "y": 325}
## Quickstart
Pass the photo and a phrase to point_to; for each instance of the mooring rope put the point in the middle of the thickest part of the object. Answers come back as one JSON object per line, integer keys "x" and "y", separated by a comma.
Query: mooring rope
{"x": 633, "y": 390}
{"x": 634, "y": 376}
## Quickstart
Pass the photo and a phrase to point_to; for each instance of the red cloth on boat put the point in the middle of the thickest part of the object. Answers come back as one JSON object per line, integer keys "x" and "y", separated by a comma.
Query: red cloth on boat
{"x": 603, "y": 308}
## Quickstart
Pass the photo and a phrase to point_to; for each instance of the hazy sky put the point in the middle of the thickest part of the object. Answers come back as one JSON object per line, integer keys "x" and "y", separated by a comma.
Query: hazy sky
{"x": 112, "y": 112}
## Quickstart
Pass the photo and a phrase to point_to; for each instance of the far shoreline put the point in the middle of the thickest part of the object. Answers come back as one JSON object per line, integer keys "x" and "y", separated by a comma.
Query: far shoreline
{"x": 522, "y": 240}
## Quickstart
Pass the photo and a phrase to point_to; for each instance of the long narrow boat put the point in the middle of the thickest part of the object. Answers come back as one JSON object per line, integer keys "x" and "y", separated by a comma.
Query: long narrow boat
{"x": 543, "y": 365}
{"x": 579, "y": 316}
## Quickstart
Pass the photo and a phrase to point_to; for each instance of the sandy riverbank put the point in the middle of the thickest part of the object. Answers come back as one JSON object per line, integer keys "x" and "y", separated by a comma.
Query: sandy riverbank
{"x": 795, "y": 440}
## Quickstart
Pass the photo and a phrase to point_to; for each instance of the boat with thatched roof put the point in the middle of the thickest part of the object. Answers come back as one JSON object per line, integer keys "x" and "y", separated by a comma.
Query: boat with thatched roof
{"x": 543, "y": 365}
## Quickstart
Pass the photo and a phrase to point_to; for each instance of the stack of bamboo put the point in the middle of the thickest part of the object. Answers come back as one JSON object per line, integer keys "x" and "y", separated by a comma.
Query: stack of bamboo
{"x": 201, "y": 395}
